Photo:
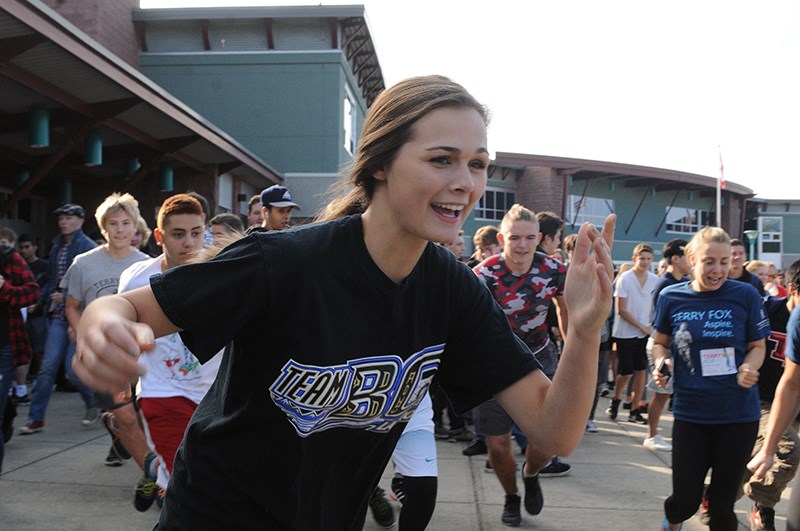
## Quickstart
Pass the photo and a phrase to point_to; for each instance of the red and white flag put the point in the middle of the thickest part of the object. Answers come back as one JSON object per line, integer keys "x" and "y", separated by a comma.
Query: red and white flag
{"x": 721, "y": 178}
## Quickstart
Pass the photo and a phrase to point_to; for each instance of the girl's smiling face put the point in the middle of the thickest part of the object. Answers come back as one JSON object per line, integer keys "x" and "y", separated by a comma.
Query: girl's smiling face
{"x": 711, "y": 262}
{"x": 437, "y": 176}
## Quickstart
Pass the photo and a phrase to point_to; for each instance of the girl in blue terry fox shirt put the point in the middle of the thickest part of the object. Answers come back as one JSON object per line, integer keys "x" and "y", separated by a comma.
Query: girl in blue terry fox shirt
{"x": 711, "y": 331}
{"x": 337, "y": 328}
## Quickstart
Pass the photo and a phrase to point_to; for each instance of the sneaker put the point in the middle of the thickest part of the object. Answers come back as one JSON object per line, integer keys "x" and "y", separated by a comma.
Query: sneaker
{"x": 113, "y": 458}
{"x": 665, "y": 526}
{"x": 556, "y": 468}
{"x": 762, "y": 518}
{"x": 397, "y": 492}
{"x": 116, "y": 444}
{"x": 488, "y": 468}
{"x": 605, "y": 391}
{"x": 440, "y": 432}
{"x": 704, "y": 517}
{"x": 657, "y": 443}
{"x": 613, "y": 409}
{"x": 23, "y": 400}
{"x": 381, "y": 510}
{"x": 636, "y": 417}
{"x": 591, "y": 427}
{"x": 626, "y": 405}
{"x": 33, "y": 426}
{"x": 478, "y": 447}
{"x": 90, "y": 416}
{"x": 534, "y": 499}
{"x": 511, "y": 516}
{"x": 460, "y": 435}
{"x": 146, "y": 490}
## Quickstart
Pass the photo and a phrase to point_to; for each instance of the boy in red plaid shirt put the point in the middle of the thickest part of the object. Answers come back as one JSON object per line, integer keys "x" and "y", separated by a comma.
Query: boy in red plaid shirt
{"x": 18, "y": 288}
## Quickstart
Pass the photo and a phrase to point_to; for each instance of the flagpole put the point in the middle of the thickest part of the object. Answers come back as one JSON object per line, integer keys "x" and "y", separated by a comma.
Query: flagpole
{"x": 720, "y": 186}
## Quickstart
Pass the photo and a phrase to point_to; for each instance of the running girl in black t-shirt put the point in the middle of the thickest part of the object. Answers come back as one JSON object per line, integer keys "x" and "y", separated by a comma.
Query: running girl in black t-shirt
{"x": 336, "y": 329}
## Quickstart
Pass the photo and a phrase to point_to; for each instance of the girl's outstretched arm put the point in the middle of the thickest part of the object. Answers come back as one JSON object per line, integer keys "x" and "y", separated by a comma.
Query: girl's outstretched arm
{"x": 554, "y": 414}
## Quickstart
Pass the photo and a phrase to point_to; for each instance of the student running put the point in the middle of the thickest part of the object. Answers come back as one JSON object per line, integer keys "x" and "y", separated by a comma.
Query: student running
{"x": 336, "y": 330}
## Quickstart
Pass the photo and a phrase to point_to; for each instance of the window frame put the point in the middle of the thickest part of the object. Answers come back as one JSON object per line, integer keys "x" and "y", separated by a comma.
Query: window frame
{"x": 509, "y": 198}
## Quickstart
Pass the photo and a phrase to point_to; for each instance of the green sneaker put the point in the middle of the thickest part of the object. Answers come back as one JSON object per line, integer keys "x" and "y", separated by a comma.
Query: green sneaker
{"x": 146, "y": 490}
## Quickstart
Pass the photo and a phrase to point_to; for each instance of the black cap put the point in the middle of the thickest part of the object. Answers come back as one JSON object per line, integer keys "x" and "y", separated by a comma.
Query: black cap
{"x": 70, "y": 209}
{"x": 674, "y": 247}
{"x": 277, "y": 196}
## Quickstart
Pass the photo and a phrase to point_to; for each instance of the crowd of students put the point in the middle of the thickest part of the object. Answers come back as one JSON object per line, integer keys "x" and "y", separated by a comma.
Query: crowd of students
{"x": 329, "y": 363}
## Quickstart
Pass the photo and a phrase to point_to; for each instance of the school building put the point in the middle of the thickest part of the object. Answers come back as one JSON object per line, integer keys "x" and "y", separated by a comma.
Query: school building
{"x": 229, "y": 100}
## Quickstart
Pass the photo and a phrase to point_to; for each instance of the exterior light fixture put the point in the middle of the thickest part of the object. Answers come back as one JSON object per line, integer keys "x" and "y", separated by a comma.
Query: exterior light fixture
{"x": 165, "y": 177}
{"x": 93, "y": 148}
{"x": 66, "y": 190}
{"x": 39, "y": 127}
{"x": 132, "y": 165}
{"x": 20, "y": 179}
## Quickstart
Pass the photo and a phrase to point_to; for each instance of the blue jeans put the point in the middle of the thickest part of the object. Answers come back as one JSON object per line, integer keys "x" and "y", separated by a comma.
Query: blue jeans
{"x": 57, "y": 350}
{"x": 6, "y": 381}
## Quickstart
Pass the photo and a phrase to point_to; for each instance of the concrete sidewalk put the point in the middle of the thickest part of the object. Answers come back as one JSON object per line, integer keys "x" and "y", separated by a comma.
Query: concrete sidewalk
{"x": 57, "y": 480}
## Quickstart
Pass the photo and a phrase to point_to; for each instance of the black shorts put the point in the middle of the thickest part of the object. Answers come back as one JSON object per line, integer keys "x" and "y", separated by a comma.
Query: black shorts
{"x": 492, "y": 419}
{"x": 632, "y": 354}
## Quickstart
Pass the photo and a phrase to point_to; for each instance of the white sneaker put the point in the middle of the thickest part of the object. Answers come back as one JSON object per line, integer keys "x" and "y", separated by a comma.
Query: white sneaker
{"x": 657, "y": 443}
{"x": 591, "y": 427}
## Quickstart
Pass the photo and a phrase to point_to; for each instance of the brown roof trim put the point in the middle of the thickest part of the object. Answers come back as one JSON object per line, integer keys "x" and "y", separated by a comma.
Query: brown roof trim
{"x": 572, "y": 165}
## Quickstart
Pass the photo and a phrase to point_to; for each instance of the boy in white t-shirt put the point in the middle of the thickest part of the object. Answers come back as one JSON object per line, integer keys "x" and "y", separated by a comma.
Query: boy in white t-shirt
{"x": 175, "y": 382}
{"x": 633, "y": 307}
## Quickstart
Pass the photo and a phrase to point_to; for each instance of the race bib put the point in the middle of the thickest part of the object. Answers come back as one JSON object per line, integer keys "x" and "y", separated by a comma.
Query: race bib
{"x": 718, "y": 361}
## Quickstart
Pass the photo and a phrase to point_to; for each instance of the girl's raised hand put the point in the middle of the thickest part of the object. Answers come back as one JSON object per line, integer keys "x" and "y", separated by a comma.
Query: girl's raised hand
{"x": 588, "y": 290}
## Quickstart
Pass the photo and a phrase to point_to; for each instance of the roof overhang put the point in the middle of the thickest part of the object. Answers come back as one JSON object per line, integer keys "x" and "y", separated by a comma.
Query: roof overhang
{"x": 47, "y": 62}
{"x": 629, "y": 175}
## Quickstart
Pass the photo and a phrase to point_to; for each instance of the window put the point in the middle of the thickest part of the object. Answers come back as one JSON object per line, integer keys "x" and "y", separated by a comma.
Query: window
{"x": 686, "y": 220}
{"x": 494, "y": 204}
{"x": 349, "y": 117}
{"x": 591, "y": 209}
{"x": 770, "y": 234}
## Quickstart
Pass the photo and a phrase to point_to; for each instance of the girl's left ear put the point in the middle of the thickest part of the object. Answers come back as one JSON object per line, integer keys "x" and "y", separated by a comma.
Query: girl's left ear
{"x": 379, "y": 175}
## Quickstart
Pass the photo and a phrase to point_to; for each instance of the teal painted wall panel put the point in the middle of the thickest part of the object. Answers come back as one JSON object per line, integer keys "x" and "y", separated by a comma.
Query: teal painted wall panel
{"x": 791, "y": 232}
{"x": 648, "y": 225}
{"x": 286, "y": 108}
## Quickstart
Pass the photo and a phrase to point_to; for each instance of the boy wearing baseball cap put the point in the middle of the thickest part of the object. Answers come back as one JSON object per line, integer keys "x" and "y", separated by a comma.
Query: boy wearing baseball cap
{"x": 276, "y": 209}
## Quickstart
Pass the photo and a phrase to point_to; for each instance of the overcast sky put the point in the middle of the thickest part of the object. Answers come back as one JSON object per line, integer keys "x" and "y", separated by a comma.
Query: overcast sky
{"x": 663, "y": 84}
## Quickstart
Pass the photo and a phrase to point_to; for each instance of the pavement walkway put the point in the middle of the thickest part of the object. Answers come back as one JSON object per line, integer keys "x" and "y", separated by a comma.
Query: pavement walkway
{"x": 57, "y": 480}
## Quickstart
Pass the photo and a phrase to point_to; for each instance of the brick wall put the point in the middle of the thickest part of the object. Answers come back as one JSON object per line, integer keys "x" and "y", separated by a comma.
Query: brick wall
{"x": 540, "y": 189}
{"x": 106, "y": 21}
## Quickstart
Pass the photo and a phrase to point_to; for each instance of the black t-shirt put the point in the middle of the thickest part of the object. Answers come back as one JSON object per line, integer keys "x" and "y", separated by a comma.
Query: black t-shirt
{"x": 39, "y": 269}
{"x": 329, "y": 360}
{"x": 665, "y": 280}
{"x": 774, "y": 359}
{"x": 748, "y": 278}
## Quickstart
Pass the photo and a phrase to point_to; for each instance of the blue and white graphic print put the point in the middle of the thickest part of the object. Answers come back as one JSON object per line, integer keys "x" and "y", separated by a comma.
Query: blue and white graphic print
{"x": 373, "y": 393}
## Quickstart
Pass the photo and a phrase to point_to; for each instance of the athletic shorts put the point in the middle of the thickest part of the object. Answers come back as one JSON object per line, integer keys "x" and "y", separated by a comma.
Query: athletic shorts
{"x": 415, "y": 454}
{"x": 166, "y": 420}
{"x": 493, "y": 419}
{"x": 632, "y": 354}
